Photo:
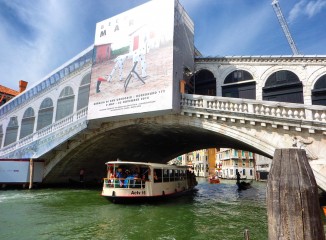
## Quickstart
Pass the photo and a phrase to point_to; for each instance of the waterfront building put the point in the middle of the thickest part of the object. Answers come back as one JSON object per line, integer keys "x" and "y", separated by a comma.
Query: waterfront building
{"x": 263, "y": 166}
{"x": 204, "y": 162}
{"x": 211, "y": 153}
{"x": 200, "y": 162}
{"x": 7, "y": 94}
{"x": 190, "y": 160}
{"x": 234, "y": 161}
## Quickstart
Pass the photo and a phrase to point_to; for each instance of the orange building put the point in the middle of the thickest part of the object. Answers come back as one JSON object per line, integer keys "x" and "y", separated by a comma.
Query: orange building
{"x": 211, "y": 161}
{"x": 7, "y": 94}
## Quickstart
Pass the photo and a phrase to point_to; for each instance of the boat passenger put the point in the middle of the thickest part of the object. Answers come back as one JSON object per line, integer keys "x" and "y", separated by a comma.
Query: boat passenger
{"x": 155, "y": 176}
{"x": 150, "y": 178}
{"x": 128, "y": 179}
{"x": 120, "y": 175}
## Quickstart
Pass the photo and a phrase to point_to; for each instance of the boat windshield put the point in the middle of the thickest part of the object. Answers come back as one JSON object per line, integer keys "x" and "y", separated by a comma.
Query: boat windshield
{"x": 127, "y": 175}
{"x": 131, "y": 175}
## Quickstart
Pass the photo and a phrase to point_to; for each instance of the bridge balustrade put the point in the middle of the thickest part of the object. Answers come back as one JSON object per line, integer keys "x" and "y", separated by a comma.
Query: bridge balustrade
{"x": 61, "y": 125}
{"x": 286, "y": 111}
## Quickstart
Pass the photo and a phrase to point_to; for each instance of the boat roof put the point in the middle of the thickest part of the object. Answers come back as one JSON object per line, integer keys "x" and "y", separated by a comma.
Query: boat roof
{"x": 155, "y": 165}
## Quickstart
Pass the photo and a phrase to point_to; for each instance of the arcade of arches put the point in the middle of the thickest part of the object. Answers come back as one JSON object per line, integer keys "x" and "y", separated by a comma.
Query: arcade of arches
{"x": 281, "y": 86}
{"x": 46, "y": 115}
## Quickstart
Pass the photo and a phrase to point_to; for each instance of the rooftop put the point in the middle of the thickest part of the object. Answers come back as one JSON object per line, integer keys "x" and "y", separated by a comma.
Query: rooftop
{"x": 8, "y": 91}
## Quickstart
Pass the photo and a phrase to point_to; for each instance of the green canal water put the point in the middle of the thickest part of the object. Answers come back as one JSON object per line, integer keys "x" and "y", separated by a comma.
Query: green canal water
{"x": 214, "y": 211}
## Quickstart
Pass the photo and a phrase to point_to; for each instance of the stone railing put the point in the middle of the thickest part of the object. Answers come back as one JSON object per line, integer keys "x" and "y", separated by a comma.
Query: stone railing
{"x": 255, "y": 109}
{"x": 61, "y": 125}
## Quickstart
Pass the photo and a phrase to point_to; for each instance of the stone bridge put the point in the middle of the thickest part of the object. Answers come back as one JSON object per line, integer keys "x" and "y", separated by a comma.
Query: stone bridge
{"x": 36, "y": 125}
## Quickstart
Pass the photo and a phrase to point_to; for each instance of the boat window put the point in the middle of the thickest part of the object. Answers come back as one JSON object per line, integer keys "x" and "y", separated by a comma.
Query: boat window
{"x": 183, "y": 174}
{"x": 177, "y": 175}
{"x": 157, "y": 175}
{"x": 126, "y": 176}
{"x": 165, "y": 175}
{"x": 171, "y": 172}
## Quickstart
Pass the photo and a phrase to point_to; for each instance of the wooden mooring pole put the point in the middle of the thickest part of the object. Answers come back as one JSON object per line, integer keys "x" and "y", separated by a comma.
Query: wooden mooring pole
{"x": 292, "y": 198}
{"x": 246, "y": 234}
{"x": 31, "y": 171}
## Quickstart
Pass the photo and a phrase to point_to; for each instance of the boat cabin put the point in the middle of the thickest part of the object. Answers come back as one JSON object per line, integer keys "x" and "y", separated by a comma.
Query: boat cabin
{"x": 145, "y": 180}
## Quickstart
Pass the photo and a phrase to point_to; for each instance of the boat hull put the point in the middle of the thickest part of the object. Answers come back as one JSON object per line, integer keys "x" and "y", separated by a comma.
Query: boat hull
{"x": 148, "y": 199}
{"x": 214, "y": 181}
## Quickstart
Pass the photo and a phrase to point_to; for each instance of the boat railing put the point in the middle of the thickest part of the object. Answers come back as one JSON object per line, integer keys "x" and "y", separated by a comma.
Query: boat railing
{"x": 124, "y": 182}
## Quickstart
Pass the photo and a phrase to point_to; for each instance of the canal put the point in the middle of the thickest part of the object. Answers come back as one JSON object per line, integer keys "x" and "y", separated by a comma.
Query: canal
{"x": 214, "y": 211}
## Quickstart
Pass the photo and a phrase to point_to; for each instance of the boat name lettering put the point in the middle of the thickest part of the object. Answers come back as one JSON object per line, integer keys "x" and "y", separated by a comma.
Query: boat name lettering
{"x": 138, "y": 192}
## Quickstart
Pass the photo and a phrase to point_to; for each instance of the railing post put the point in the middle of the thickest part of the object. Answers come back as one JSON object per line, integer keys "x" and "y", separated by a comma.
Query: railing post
{"x": 205, "y": 103}
{"x": 308, "y": 113}
{"x": 250, "y": 108}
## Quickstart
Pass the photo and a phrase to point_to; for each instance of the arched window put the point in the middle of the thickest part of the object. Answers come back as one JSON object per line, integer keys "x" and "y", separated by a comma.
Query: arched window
{"x": 1, "y": 136}
{"x": 28, "y": 121}
{"x": 83, "y": 92}
{"x": 45, "y": 114}
{"x": 12, "y": 131}
{"x": 238, "y": 76}
{"x": 65, "y": 105}
{"x": 204, "y": 83}
{"x": 318, "y": 95}
{"x": 283, "y": 86}
{"x": 239, "y": 84}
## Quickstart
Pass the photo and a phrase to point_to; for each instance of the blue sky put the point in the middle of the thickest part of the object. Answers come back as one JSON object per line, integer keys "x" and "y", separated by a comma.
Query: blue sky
{"x": 37, "y": 36}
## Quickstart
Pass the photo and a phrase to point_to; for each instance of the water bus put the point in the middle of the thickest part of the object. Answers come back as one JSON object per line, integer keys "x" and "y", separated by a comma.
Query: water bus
{"x": 140, "y": 181}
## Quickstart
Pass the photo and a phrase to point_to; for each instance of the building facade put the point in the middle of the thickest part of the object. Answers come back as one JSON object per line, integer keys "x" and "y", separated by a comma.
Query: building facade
{"x": 203, "y": 162}
{"x": 263, "y": 166}
{"x": 233, "y": 161}
{"x": 225, "y": 163}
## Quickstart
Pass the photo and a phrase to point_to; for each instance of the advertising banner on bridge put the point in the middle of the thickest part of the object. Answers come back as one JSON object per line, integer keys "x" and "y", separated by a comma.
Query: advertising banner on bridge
{"x": 133, "y": 62}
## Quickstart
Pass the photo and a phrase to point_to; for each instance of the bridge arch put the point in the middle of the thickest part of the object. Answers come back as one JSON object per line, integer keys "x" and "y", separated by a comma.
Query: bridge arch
{"x": 319, "y": 91}
{"x": 157, "y": 139}
{"x": 239, "y": 84}
{"x": 45, "y": 113}
{"x": 314, "y": 90}
{"x": 27, "y": 123}
{"x": 204, "y": 82}
{"x": 1, "y": 136}
{"x": 11, "y": 131}
{"x": 226, "y": 71}
{"x": 83, "y": 91}
{"x": 283, "y": 86}
{"x": 65, "y": 103}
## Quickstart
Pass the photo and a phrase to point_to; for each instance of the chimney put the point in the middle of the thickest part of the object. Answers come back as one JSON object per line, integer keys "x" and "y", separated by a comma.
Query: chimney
{"x": 22, "y": 86}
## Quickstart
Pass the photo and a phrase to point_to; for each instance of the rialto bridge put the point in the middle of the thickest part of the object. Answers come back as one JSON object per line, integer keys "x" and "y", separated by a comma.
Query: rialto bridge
{"x": 250, "y": 103}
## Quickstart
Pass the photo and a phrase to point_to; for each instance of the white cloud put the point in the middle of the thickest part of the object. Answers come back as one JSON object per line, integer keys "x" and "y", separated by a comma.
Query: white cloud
{"x": 314, "y": 7}
{"x": 296, "y": 11}
{"x": 48, "y": 36}
{"x": 306, "y": 8}
{"x": 55, "y": 31}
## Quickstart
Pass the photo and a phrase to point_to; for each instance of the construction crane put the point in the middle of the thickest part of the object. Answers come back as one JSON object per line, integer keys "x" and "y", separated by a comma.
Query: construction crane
{"x": 284, "y": 26}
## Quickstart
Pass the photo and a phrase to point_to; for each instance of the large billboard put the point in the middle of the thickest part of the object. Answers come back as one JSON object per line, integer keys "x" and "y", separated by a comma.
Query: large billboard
{"x": 133, "y": 62}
